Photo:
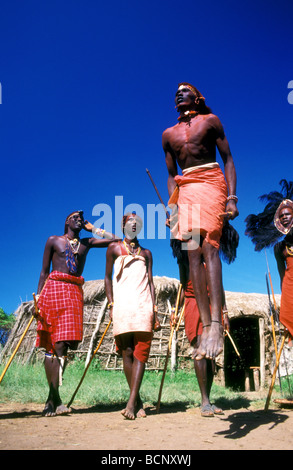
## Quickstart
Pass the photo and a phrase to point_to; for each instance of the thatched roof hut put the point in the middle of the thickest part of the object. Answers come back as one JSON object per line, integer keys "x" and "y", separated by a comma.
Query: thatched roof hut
{"x": 249, "y": 320}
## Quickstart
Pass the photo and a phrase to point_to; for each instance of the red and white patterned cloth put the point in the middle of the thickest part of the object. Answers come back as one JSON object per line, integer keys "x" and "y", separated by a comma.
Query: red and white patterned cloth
{"x": 61, "y": 308}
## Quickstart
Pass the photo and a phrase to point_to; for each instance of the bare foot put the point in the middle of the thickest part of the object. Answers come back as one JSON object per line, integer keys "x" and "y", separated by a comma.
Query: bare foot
{"x": 49, "y": 410}
{"x": 141, "y": 413}
{"x": 62, "y": 410}
{"x": 128, "y": 414}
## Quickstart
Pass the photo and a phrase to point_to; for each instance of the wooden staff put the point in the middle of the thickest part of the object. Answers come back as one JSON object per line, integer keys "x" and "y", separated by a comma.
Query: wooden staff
{"x": 86, "y": 369}
{"x": 273, "y": 325}
{"x": 159, "y": 196}
{"x": 275, "y": 305}
{"x": 233, "y": 344}
{"x": 169, "y": 347}
{"x": 35, "y": 315}
{"x": 274, "y": 373}
{"x": 272, "y": 317}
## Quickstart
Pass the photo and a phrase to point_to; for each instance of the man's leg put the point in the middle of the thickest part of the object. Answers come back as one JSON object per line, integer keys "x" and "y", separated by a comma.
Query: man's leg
{"x": 214, "y": 345}
{"x": 205, "y": 371}
{"x": 134, "y": 371}
{"x": 52, "y": 368}
{"x": 199, "y": 283}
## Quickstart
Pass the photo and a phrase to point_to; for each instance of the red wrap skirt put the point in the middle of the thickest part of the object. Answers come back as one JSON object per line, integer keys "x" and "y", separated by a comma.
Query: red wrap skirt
{"x": 61, "y": 310}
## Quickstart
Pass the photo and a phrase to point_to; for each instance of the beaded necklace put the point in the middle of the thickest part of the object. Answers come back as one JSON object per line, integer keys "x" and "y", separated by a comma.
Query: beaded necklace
{"x": 71, "y": 251}
{"x": 132, "y": 244}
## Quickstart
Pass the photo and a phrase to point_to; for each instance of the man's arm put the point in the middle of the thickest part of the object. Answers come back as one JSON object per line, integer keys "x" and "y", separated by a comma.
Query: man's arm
{"x": 47, "y": 259}
{"x": 106, "y": 239}
{"x": 171, "y": 164}
{"x": 229, "y": 167}
{"x": 110, "y": 258}
{"x": 150, "y": 274}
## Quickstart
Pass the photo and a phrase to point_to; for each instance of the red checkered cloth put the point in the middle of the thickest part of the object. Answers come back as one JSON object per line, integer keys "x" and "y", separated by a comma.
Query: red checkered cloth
{"x": 61, "y": 308}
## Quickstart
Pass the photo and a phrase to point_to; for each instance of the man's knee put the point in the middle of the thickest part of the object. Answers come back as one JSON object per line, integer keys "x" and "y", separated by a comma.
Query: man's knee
{"x": 61, "y": 348}
{"x": 211, "y": 253}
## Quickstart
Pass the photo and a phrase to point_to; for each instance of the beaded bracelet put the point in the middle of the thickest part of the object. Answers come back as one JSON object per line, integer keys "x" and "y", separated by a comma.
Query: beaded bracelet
{"x": 110, "y": 305}
{"x": 100, "y": 232}
{"x": 233, "y": 197}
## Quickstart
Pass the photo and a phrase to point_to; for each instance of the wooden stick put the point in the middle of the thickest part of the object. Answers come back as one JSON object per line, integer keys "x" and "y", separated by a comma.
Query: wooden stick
{"x": 86, "y": 369}
{"x": 168, "y": 350}
{"x": 158, "y": 194}
{"x": 19, "y": 343}
{"x": 233, "y": 344}
{"x": 274, "y": 373}
{"x": 180, "y": 318}
{"x": 275, "y": 304}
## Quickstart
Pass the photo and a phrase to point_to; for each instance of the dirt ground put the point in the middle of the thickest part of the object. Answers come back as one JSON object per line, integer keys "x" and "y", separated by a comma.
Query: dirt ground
{"x": 22, "y": 427}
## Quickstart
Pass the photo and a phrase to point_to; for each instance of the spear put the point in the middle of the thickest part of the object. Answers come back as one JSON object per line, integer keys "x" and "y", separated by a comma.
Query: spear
{"x": 86, "y": 369}
{"x": 159, "y": 196}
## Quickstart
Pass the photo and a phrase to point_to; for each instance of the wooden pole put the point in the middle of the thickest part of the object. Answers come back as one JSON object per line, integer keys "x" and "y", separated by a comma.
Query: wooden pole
{"x": 158, "y": 194}
{"x": 89, "y": 363}
{"x": 274, "y": 373}
{"x": 169, "y": 346}
{"x": 233, "y": 344}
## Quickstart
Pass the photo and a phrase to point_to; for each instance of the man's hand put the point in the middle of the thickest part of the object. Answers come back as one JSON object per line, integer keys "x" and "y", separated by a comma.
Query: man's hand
{"x": 88, "y": 226}
{"x": 231, "y": 209}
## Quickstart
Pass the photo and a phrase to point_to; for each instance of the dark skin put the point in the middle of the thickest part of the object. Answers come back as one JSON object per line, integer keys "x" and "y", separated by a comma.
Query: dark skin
{"x": 133, "y": 368}
{"x": 192, "y": 142}
{"x": 54, "y": 255}
{"x": 281, "y": 254}
{"x": 204, "y": 369}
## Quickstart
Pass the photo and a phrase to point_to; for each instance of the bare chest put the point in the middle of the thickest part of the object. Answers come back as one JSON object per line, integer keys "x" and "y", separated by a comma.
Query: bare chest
{"x": 193, "y": 136}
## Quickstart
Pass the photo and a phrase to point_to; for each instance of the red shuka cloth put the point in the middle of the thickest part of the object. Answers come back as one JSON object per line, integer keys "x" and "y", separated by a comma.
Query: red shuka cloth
{"x": 286, "y": 309}
{"x": 207, "y": 188}
{"x": 142, "y": 341}
{"x": 193, "y": 324}
{"x": 61, "y": 308}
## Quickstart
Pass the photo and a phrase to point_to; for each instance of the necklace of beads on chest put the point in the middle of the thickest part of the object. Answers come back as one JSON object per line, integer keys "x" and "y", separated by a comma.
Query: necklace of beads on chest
{"x": 133, "y": 252}
{"x": 75, "y": 244}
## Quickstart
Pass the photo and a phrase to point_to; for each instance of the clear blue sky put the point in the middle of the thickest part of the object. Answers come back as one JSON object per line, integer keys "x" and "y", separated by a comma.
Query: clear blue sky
{"x": 87, "y": 90}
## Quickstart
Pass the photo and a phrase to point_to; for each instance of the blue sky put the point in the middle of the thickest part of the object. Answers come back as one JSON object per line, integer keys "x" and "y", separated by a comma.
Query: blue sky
{"x": 87, "y": 90}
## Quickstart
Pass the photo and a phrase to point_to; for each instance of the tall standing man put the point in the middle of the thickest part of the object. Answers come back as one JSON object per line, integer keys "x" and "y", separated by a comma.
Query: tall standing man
{"x": 60, "y": 300}
{"x": 191, "y": 145}
{"x": 131, "y": 296}
{"x": 284, "y": 256}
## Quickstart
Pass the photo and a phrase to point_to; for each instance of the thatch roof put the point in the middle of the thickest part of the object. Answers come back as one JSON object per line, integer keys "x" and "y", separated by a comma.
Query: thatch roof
{"x": 239, "y": 303}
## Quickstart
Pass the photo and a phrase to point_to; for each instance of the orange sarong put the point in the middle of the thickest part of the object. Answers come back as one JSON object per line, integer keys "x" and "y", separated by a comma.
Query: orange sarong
{"x": 286, "y": 309}
{"x": 201, "y": 196}
{"x": 192, "y": 321}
